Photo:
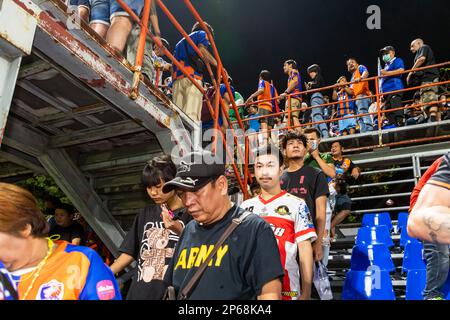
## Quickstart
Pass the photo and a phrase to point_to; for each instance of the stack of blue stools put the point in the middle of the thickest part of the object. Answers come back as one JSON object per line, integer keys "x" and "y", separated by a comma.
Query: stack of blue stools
{"x": 413, "y": 261}
{"x": 371, "y": 262}
{"x": 404, "y": 236}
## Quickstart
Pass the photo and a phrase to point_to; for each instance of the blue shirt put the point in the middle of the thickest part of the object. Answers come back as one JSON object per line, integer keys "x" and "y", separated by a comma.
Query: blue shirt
{"x": 395, "y": 82}
{"x": 254, "y": 124}
{"x": 4, "y": 292}
{"x": 198, "y": 37}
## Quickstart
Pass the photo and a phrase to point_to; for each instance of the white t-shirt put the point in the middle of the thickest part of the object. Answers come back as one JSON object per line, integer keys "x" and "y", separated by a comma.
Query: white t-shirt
{"x": 291, "y": 223}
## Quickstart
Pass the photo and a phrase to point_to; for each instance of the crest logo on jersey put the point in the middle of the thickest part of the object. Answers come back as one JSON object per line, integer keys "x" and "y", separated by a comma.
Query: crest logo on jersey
{"x": 53, "y": 290}
{"x": 105, "y": 290}
{"x": 282, "y": 210}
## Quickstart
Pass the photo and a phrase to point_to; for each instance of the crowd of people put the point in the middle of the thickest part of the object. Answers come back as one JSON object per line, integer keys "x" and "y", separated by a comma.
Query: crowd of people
{"x": 299, "y": 198}
{"x": 350, "y": 102}
{"x": 278, "y": 236}
{"x": 193, "y": 242}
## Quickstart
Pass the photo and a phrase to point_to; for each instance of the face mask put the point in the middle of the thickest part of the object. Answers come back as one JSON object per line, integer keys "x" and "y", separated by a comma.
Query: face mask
{"x": 387, "y": 57}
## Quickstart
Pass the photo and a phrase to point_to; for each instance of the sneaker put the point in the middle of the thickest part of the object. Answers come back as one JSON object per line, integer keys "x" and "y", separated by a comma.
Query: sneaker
{"x": 436, "y": 298}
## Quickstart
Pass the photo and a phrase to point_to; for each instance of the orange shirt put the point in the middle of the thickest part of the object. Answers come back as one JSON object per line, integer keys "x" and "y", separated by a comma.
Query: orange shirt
{"x": 70, "y": 273}
{"x": 360, "y": 87}
{"x": 269, "y": 93}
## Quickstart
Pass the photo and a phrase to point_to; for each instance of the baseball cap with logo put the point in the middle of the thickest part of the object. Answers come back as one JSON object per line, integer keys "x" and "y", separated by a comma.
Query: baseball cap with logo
{"x": 194, "y": 171}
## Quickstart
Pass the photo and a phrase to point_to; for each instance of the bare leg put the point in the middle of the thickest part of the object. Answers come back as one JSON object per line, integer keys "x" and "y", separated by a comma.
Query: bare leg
{"x": 83, "y": 12}
{"x": 337, "y": 219}
{"x": 118, "y": 32}
{"x": 100, "y": 28}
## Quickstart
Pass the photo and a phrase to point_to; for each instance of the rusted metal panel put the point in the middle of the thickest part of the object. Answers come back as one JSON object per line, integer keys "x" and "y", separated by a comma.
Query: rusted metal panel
{"x": 17, "y": 26}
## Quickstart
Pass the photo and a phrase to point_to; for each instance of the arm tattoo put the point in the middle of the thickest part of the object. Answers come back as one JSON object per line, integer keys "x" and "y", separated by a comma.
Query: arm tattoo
{"x": 435, "y": 228}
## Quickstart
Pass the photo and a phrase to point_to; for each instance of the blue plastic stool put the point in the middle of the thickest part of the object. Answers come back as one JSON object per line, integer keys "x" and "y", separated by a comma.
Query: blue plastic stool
{"x": 402, "y": 220}
{"x": 406, "y": 238}
{"x": 413, "y": 258}
{"x": 377, "y": 219}
{"x": 374, "y": 235}
{"x": 415, "y": 284}
{"x": 368, "y": 285}
{"x": 371, "y": 256}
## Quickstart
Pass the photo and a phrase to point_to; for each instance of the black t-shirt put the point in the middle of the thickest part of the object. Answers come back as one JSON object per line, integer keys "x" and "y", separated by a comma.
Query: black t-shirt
{"x": 152, "y": 246}
{"x": 247, "y": 260}
{"x": 75, "y": 230}
{"x": 307, "y": 183}
{"x": 429, "y": 74}
{"x": 442, "y": 175}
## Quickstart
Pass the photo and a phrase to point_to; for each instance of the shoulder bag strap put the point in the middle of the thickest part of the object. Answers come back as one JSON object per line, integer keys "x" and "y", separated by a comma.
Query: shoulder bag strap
{"x": 184, "y": 293}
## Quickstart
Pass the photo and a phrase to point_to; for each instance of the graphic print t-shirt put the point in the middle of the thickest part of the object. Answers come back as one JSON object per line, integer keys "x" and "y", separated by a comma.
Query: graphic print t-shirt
{"x": 307, "y": 183}
{"x": 152, "y": 247}
{"x": 247, "y": 260}
{"x": 291, "y": 223}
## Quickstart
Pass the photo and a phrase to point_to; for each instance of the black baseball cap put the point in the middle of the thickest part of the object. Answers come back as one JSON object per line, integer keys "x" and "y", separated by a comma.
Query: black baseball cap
{"x": 194, "y": 171}
{"x": 387, "y": 49}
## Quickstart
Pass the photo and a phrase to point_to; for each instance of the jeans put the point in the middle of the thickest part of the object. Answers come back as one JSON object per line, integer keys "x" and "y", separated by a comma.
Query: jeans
{"x": 117, "y": 10}
{"x": 437, "y": 260}
{"x": 317, "y": 114}
{"x": 362, "y": 106}
{"x": 100, "y": 12}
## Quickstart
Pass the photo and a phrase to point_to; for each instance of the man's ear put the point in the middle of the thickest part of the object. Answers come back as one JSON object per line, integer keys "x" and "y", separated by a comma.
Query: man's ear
{"x": 222, "y": 182}
{"x": 25, "y": 233}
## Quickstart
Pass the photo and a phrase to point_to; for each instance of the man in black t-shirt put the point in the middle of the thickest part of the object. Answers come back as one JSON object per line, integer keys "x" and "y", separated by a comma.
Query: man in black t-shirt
{"x": 154, "y": 234}
{"x": 307, "y": 183}
{"x": 430, "y": 218}
{"x": 66, "y": 227}
{"x": 424, "y": 57}
{"x": 248, "y": 264}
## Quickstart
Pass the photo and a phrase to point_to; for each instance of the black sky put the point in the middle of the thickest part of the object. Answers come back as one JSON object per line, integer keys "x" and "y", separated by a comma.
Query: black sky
{"x": 253, "y": 35}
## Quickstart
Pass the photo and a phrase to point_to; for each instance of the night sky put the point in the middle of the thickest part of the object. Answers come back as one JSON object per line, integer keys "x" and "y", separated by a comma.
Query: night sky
{"x": 253, "y": 35}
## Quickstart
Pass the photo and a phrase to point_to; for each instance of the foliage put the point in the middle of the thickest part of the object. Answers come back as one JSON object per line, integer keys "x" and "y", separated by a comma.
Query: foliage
{"x": 43, "y": 186}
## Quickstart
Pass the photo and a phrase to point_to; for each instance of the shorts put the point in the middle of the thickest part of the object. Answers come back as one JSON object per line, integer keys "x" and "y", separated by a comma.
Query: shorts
{"x": 346, "y": 124}
{"x": 295, "y": 104}
{"x": 80, "y": 3}
{"x": 135, "y": 5}
{"x": 100, "y": 12}
{"x": 268, "y": 120}
{"x": 343, "y": 202}
{"x": 429, "y": 94}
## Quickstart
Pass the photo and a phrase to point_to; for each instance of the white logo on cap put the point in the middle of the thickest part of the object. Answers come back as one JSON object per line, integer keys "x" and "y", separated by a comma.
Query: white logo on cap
{"x": 189, "y": 180}
{"x": 184, "y": 167}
